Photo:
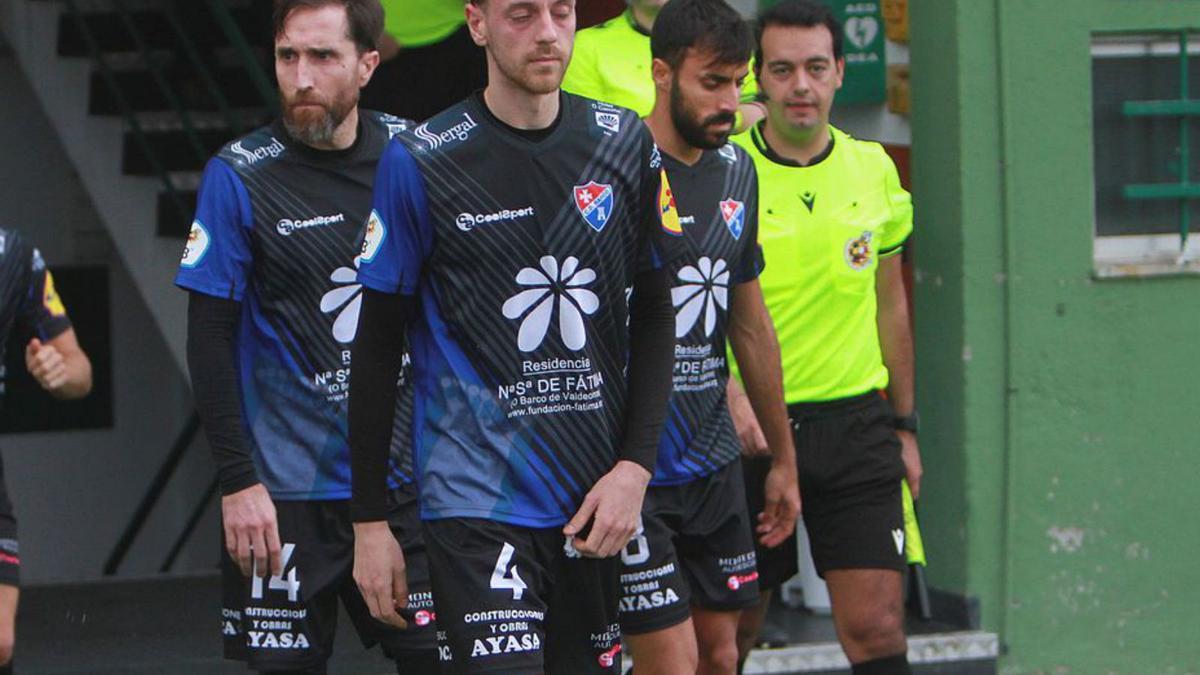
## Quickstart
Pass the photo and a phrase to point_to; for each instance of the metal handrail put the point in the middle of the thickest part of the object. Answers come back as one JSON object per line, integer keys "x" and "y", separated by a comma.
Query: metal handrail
{"x": 232, "y": 33}
{"x": 127, "y": 112}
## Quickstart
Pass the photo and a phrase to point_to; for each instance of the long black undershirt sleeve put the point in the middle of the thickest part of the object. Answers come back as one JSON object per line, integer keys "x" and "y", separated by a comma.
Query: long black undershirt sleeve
{"x": 212, "y": 323}
{"x": 378, "y": 354}
{"x": 651, "y": 364}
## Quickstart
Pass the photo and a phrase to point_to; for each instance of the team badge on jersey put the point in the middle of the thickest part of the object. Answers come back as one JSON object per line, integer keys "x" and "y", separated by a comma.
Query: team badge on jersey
{"x": 373, "y": 237}
{"x": 609, "y": 120}
{"x": 858, "y": 252}
{"x": 595, "y": 203}
{"x": 667, "y": 209}
{"x": 734, "y": 214}
{"x": 196, "y": 246}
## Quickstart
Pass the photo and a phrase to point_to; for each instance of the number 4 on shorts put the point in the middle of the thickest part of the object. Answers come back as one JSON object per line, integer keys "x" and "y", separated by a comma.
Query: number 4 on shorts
{"x": 506, "y": 578}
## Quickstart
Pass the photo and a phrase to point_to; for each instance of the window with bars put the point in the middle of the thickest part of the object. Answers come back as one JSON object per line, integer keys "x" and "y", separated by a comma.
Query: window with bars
{"x": 1146, "y": 140}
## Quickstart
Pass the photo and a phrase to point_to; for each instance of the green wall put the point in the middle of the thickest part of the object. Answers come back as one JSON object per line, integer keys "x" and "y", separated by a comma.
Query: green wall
{"x": 1061, "y": 412}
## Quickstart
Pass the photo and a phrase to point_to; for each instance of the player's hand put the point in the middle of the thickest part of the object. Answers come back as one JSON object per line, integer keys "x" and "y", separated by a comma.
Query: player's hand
{"x": 379, "y": 571}
{"x": 778, "y": 518}
{"x": 754, "y": 442}
{"x": 911, "y": 454}
{"x": 46, "y": 364}
{"x": 614, "y": 508}
{"x": 251, "y": 531}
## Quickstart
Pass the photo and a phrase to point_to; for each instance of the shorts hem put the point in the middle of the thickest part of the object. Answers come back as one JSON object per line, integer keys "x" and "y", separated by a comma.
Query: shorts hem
{"x": 270, "y": 665}
{"x": 737, "y": 606}
{"x": 860, "y": 565}
{"x": 656, "y": 624}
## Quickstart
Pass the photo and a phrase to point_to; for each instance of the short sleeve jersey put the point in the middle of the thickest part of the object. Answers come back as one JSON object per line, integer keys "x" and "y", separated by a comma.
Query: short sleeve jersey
{"x": 823, "y": 229}
{"x": 29, "y": 305}
{"x": 523, "y": 254}
{"x": 717, "y": 200}
{"x": 278, "y": 228}
{"x": 611, "y": 62}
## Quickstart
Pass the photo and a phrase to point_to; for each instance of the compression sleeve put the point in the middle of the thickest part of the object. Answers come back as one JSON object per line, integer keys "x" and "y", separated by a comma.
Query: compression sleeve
{"x": 212, "y": 323}
{"x": 378, "y": 354}
{"x": 651, "y": 363}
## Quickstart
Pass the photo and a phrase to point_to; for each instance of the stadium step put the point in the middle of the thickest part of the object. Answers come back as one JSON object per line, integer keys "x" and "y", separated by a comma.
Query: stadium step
{"x": 144, "y": 95}
{"x": 111, "y": 35}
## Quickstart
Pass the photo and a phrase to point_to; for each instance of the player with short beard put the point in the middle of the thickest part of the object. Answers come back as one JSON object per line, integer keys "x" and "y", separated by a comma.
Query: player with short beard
{"x": 269, "y": 267}
{"x": 698, "y": 543}
{"x": 521, "y": 239}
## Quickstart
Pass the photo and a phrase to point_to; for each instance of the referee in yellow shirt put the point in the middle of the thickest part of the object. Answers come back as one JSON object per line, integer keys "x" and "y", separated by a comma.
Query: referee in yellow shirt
{"x": 832, "y": 220}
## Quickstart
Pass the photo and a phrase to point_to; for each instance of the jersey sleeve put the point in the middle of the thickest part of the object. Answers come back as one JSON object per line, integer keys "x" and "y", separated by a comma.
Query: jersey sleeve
{"x": 42, "y": 313}
{"x": 217, "y": 259}
{"x": 900, "y": 212}
{"x": 399, "y": 234}
{"x": 663, "y": 232}
{"x": 751, "y": 262}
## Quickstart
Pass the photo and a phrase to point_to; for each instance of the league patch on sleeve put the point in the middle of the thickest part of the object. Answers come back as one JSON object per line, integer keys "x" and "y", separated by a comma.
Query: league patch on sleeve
{"x": 50, "y": 298}
{"x": 668, "y": 211}
{"x": 197, "y": 245}
{"x": 373, "y": 238}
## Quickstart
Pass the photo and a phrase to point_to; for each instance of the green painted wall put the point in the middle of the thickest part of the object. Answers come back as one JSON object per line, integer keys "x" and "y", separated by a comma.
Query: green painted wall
{"x": 1061, "y": 484}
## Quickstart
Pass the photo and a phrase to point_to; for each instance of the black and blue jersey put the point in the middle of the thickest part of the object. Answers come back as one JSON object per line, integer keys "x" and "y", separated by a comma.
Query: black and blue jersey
{"x": 278, "y": 228}
{"x": 29, "y": 305}
{"x": 522, "y": 253}
{"x": 717, "y": 198}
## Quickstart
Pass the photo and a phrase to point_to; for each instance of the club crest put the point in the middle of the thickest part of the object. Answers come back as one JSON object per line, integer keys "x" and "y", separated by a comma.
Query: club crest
{"x": 595, "y": 203}
{"x": 734, "y": 214}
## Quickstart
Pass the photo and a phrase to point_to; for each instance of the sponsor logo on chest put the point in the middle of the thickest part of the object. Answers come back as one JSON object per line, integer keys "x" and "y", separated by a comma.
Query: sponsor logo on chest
{"x": 289, "y": 226}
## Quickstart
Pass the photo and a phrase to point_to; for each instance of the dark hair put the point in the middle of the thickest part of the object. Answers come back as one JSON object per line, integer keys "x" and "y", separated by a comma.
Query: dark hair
{"x": 365, "y": 18}
{"x": 797, "y": 13}
{"x": 706, "y": 25}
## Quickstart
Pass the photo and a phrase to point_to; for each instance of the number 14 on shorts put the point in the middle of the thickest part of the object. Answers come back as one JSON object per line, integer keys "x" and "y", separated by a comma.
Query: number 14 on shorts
{"x": 279, "y": 582}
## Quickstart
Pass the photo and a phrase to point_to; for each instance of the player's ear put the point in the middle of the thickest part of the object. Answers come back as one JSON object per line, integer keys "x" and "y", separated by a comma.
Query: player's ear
{"x": 839, "y": 70}
{"x": 662, "y": 73}
{"x": 367, "y": 63}
{"x": 475, "y": 24}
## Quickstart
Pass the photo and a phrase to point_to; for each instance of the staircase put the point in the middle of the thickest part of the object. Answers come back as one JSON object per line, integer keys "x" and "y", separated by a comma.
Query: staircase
{"x": 142, "y": 92}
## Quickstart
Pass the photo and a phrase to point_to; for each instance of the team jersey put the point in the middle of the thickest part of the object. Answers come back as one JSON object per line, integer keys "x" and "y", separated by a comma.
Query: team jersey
{"x": 278, "y": 228}
{"x": 611, "y": 62}
{"x": 823, "y": 229}
{"x": 523, "y": 254}
{"x": 717, "y": 200}
{"x": 416, "y": 23}
{"x": 29, "y": 305}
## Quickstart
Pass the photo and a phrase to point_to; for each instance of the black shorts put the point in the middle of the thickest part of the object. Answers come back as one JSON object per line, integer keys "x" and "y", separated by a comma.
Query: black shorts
{"x": 288, "y": 622}
{"x": 519, "y": 600}
{"x": 850, "y": 469}
{"x": 10, "y": 552}
{"x": 696, "y": 547}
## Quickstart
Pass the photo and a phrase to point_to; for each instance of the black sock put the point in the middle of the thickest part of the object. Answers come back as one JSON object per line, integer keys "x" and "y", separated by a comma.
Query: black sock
{"x": 417, "y": 662}
{"x": 7, "y": 669}
{"x": 889, "y": 665}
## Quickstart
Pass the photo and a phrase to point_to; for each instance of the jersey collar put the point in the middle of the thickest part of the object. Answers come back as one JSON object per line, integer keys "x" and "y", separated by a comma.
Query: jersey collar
{"x": 760, "y": 142}
{"x": 637, "y": 27}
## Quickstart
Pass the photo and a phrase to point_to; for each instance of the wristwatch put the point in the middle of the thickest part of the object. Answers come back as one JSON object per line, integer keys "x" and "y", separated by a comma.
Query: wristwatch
{"x": 911, "y": 422}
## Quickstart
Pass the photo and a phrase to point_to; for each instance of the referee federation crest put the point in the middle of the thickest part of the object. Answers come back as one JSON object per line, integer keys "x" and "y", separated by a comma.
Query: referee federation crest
{"x": 595, "y": 203}
{"x": 734, "y": 214}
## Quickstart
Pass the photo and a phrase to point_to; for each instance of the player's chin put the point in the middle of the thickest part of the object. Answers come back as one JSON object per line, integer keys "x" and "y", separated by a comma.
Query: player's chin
{"x": 544, "y": 77}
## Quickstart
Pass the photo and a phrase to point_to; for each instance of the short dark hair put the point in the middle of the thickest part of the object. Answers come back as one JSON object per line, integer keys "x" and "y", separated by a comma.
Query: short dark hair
{"x": 707, "y": 25}
{"x": 365, "y": 18}
{"x": 798, "y": 13}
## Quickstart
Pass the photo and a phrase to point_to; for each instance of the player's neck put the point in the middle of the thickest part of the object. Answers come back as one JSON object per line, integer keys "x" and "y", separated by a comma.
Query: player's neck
{"x": 668, "y": 139}
{"x": 801, "y": 147}
{"x": 518, "y": 108}
{"x": 644, "y": 18}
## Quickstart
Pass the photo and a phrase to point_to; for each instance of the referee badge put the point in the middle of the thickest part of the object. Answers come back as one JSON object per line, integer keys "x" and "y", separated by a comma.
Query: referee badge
{"x": 859, "y": 253}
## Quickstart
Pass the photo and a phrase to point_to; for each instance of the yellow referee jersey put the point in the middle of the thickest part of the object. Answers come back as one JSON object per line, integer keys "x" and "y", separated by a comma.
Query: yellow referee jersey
{"x": 823, "y": 229}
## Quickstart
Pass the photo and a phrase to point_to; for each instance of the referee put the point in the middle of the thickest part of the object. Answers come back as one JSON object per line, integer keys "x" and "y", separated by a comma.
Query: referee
{"x": 833, "y": 220}
{"x": 32, "y": 316}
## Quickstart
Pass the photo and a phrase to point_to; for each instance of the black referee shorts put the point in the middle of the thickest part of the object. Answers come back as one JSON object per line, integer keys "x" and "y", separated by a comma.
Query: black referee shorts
{"x": 850, "y": 468}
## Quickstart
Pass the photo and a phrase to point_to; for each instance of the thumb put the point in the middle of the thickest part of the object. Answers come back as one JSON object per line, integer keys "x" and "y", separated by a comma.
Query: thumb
{"x": 34, "y": 346}
{"x": 582, "y": 516}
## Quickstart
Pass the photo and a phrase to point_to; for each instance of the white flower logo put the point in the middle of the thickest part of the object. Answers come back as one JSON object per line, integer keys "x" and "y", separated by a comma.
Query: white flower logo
{"x": 348, "y": 296}
{"x": 704, "y": 288}
{"x": 546, "y": 285}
